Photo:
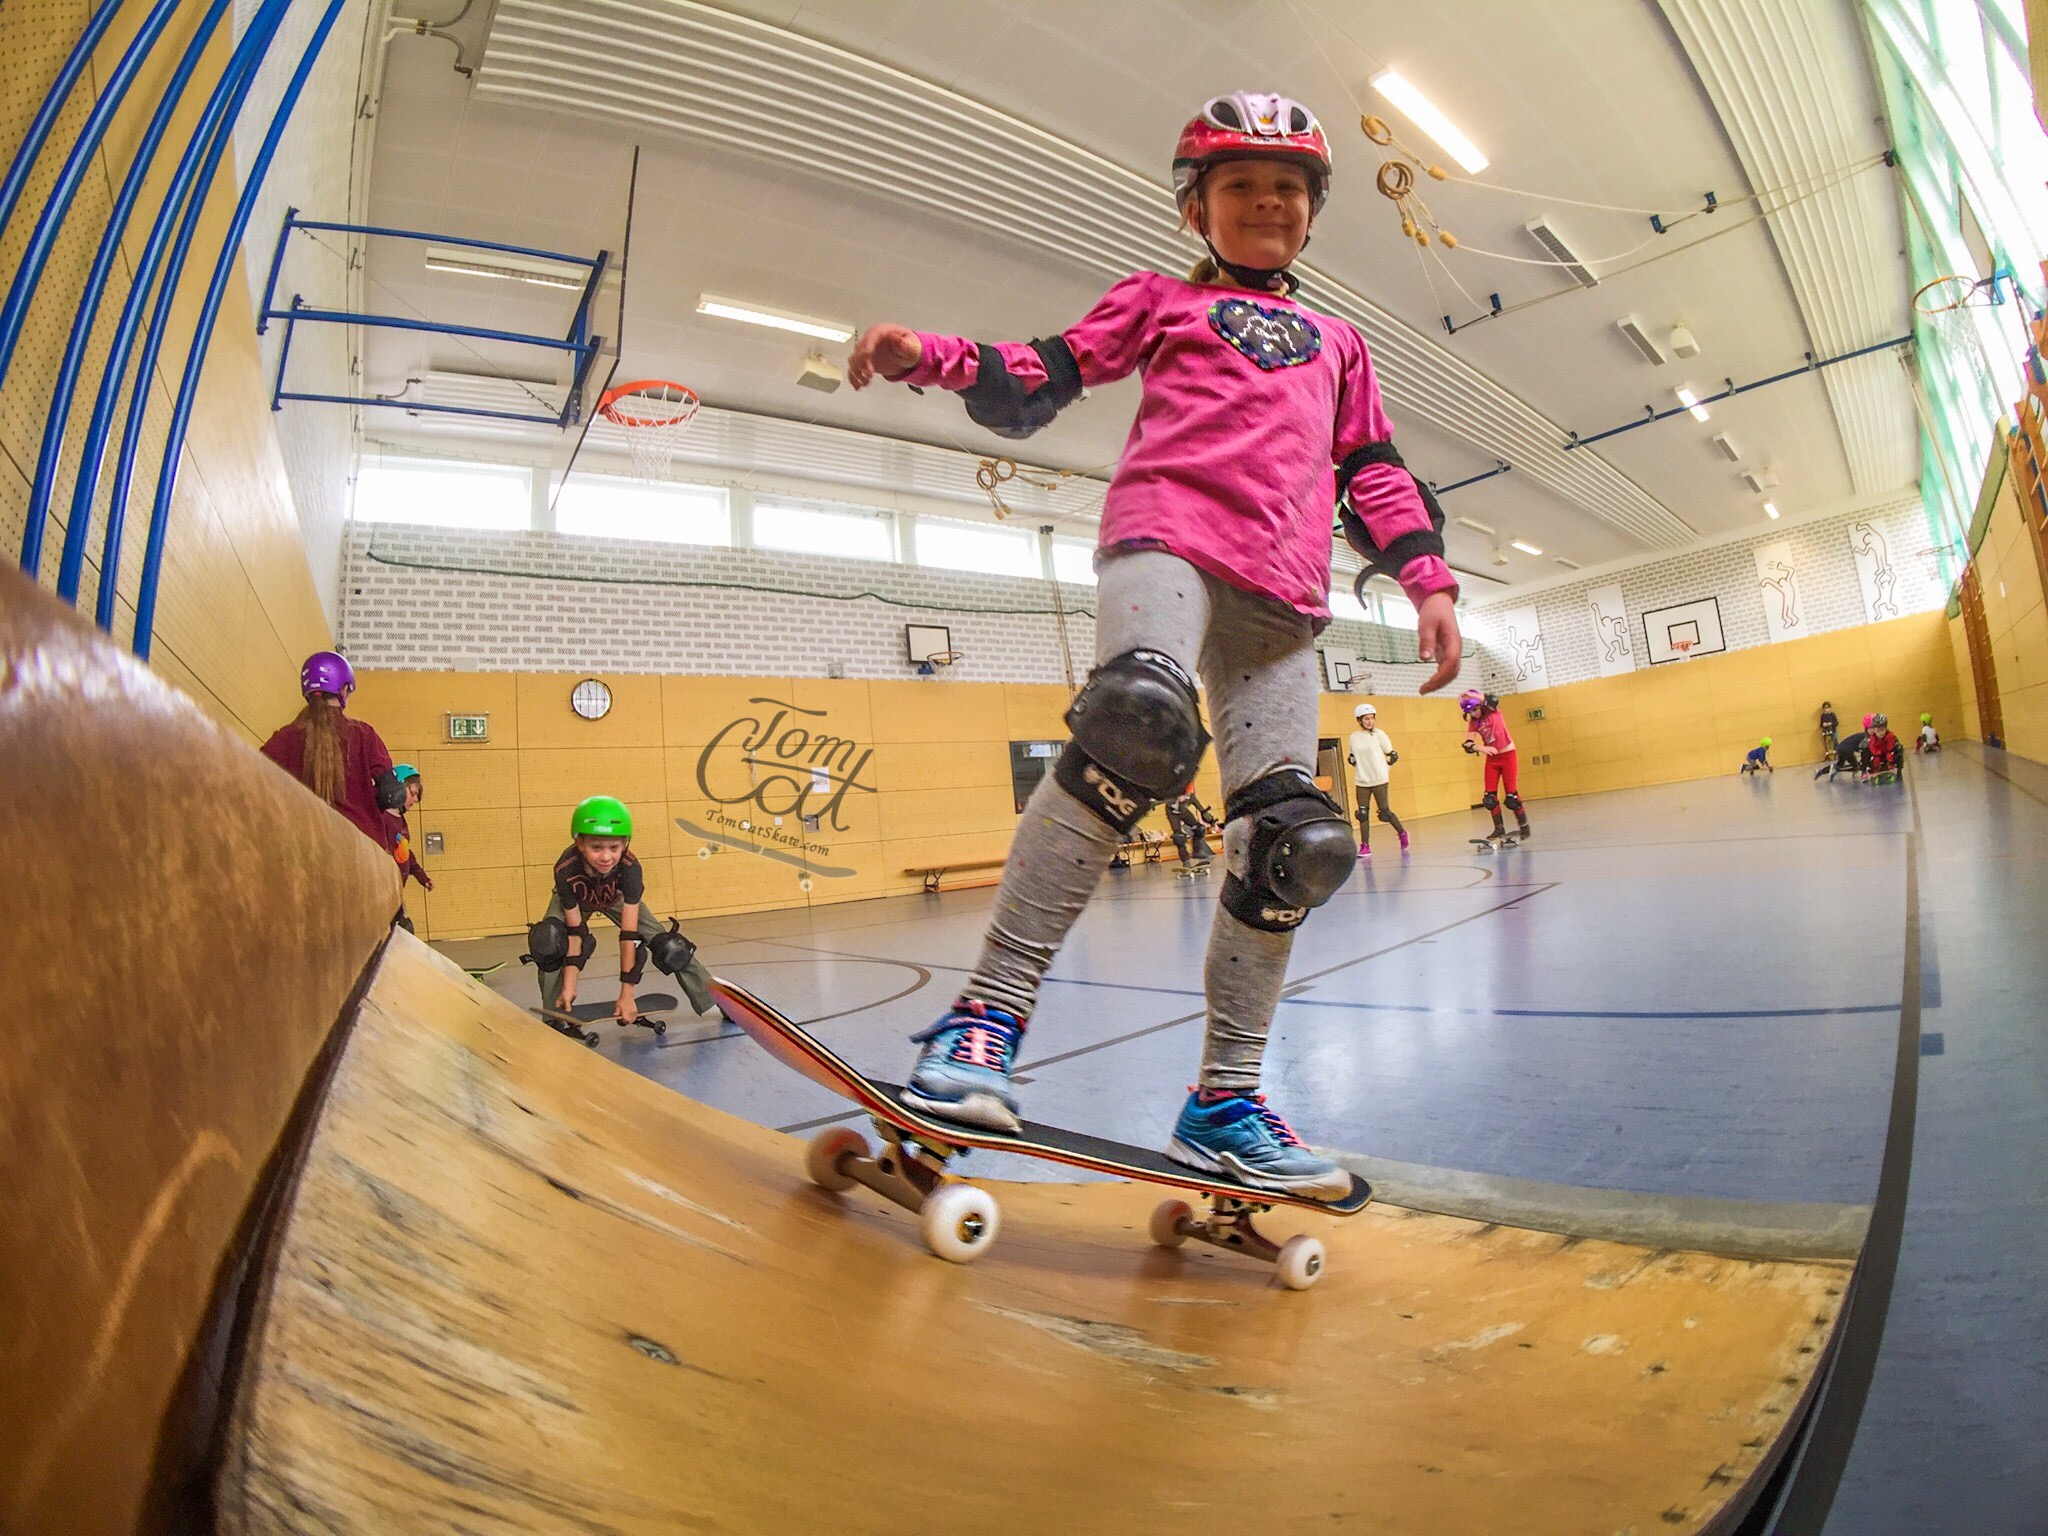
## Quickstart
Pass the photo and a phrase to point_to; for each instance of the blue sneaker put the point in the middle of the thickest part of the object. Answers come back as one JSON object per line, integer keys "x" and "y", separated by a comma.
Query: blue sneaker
{"x": 1239, "y": 1135}
{"x": 963, "y": 1073}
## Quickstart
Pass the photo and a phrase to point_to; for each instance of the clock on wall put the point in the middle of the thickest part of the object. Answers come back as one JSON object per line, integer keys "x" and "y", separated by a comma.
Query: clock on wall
{"x": 591, "y": 699}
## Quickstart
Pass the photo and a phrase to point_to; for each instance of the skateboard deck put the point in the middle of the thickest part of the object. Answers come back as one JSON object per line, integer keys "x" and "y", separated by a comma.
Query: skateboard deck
{"x": 571, "y": 1021}
{"x": 797, "y": 1048}
{"x": 1496, "y": 842}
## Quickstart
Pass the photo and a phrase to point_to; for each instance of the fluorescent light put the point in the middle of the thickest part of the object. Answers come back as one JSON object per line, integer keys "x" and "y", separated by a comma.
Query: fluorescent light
{"x": 1476, "y": 527}
{"x": 774, "y": 319}
{"x": 1691, "y": 402}
{"x": 1426, "y": 115}
{"x": 1772, "y": 508}
{"x": 517, "y": 269}
{"x": 1527, "y": 549}
{"x": 1570, "y": 565}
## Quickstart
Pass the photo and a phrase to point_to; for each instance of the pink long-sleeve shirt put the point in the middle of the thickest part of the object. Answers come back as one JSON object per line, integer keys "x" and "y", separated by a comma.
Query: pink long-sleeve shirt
{"x": 1250, "y": 402}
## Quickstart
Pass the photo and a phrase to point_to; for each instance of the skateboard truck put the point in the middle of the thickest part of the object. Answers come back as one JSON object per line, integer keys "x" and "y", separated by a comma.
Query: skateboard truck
{"x": 959, "y": 1220}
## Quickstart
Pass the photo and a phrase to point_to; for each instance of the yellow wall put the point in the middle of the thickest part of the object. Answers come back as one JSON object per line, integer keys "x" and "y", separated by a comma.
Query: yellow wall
{"x": 940, "y": 774}
{"x": 939, "y": 768}
{"x": 2017, "y": 621}
{"x": 1696, "y": 719}
{"x": 236, "y": 608}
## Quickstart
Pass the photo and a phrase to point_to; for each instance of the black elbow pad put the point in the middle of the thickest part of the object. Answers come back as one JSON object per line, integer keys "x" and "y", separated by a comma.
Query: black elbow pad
{"x": 390, "y": 792}
{"x": 1403, "y": 548}
{"x": 999, "y": 401}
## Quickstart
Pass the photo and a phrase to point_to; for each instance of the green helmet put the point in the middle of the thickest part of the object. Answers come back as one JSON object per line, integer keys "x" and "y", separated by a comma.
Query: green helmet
{"x": 1927, "y": 719}
{"x": 601, "y": 816}
{"x": 404, "y": 772}
{"x": 1766, "y": 741}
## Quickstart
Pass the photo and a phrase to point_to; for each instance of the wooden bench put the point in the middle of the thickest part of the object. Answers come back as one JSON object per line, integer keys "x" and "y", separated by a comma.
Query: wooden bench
{"x": 934, "y": 871}
{"x": 1149, "y": 845}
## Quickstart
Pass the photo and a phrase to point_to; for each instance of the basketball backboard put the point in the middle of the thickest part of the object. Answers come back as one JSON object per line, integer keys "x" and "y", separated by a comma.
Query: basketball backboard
{"x": 603, "y": 318}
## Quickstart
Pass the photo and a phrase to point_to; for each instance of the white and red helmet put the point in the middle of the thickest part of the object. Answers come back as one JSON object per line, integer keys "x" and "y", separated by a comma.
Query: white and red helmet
{"x": 1249, "y": 125}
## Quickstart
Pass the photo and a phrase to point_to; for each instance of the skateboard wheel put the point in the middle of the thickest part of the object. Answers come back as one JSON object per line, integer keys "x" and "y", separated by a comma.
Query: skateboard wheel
{"x": 1300, "y": 1263}
{"x": 822, "y": 1158}
{"x": 660, "y": 1029}
{"x": 959, "y": 1220}
{"x": 1167, "y": 1216}
{"x": 590, "y": 1039}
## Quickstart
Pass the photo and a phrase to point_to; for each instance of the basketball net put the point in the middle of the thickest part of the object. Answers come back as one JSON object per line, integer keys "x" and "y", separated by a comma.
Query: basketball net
{"x": 656, "y": 416}
{"x": 1950, "y": 306}
{"x": 1684, "y": 649}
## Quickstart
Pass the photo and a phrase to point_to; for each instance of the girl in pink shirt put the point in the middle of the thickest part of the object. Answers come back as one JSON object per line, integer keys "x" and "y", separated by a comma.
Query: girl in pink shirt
{"x": 1257, "y": 416}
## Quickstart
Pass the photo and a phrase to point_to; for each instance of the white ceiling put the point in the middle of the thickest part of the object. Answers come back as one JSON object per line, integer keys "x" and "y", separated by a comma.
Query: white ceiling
{"x": 1007, "y": 156}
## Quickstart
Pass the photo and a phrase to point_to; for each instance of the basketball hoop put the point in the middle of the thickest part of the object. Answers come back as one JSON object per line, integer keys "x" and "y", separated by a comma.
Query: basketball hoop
{"x": 657, "y": 414}
{"x": 930, "y": 665}
{"x": 1945, "y": 304}
{"x": 1684, "y": 648}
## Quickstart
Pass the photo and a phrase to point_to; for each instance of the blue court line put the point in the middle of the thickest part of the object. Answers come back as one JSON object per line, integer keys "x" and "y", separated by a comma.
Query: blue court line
{"x": 1597, "y": 1013}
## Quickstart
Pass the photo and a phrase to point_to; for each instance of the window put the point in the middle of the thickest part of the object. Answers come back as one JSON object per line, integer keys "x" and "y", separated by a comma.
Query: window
{"x": 607, "y": 507}
{"x": 849, "y": 534}
{"x": 1396, "y": 612}
{"x": 444, "y": 493}
{"x": 1073, "y": 560}
{"x": 977, "y": 547}
{"x": 1345, "y": 606}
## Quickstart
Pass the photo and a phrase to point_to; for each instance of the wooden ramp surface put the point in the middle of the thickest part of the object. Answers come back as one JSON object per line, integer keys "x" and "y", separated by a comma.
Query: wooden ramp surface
{"x": 522, "y": 1289}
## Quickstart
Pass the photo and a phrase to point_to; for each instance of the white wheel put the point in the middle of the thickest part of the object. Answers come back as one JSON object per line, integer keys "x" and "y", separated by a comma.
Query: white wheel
{"x": 827, "y": 1148}
{"x": 959, "y": 1220}
{"x": 1167, "y": 1216}
{"x": 1300, "y": 1263}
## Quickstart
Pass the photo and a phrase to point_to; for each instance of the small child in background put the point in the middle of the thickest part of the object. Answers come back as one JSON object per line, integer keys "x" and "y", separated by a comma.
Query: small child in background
{"x": 1372, "y": 753}
{"x": 1829, "y": 725}
{"x": 1759, "y": 758}
{"x": 1882, "y": 758}
{"x": 1928, "y": 740}
{"x": 409, "y": 866}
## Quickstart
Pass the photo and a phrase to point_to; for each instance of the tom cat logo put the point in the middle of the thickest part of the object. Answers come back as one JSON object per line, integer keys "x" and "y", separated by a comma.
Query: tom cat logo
{"x": 797, "y": 772}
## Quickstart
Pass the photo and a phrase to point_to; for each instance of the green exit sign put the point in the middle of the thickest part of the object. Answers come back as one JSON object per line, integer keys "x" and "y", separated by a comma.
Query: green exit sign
{"x": 469, "y": 727}
{"x": 1535, "y": 714}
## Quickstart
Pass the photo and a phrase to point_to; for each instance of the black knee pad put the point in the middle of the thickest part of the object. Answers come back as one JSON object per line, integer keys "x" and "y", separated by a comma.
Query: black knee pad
{"x": 547, "y": 944}
{"x": 671, "y": 952}
{"x": 1138, "y": 716}
{"x": 632, "y": 973}
{"x": 1490, "y": 800}
{"x": 1301, "y": 853}
{"x": 1514, "y": 802}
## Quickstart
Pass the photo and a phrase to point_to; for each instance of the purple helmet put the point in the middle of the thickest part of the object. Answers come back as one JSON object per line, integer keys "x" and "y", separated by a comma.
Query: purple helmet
{"x": 1471, "y": 701}
{"x": 326, "y": 672}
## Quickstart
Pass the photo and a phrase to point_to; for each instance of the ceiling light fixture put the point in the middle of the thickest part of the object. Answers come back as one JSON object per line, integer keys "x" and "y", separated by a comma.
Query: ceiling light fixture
{"x": 1429, "y": 117}
{"x": 1691, "y": 402}
{"x": 1476, "y": 527}
{"x": 1527, "y": 549}
{"x": 1570, "y": 565}
{"x": 774, "y": 319}
{"x": 1727, "y": 446}
{"x": 516, "y": 269}
{"x": 1632, "y": 331}
{"x": 1772, "y": 508}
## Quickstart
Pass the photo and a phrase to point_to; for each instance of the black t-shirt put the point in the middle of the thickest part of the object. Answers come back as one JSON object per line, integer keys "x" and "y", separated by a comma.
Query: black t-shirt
{"x": 1850, "y": 746}
{"x": 578, "y": 885}
{"x": 1827, "y": 719}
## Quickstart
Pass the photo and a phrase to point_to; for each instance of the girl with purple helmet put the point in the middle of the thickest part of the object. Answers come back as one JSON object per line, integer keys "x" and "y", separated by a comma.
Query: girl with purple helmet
{"x": 341, "y": 760}
{"x": 1258, "y": 418}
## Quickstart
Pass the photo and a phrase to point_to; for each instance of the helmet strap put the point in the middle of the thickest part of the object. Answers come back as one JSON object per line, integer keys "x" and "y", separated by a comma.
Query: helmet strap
{"x": 1264, "y": 279}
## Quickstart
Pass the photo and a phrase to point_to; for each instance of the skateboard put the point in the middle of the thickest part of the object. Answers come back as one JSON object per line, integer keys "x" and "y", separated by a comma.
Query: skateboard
{"x": 570, "y": 1021}
{"x": 1496, "y": 842}
{"x": 959, "y": 1220}
{"x": 478, "y": 973}
{"x": 1190, "y": 871}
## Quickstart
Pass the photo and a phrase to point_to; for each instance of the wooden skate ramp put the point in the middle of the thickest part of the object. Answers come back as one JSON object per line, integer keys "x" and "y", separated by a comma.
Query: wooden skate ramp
{"x": 521, "y": 1289}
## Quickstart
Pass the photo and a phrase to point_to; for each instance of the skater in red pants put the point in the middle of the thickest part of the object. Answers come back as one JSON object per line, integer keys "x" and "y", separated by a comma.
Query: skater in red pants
{"x": 1486, "y": 733}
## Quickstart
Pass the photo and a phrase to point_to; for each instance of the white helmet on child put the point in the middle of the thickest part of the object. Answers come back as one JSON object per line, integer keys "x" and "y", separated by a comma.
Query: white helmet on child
{"x": 1363, "y": 711}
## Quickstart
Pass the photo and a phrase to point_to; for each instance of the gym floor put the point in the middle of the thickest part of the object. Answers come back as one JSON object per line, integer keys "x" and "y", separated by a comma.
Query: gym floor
{"x": 1704, "y": 990}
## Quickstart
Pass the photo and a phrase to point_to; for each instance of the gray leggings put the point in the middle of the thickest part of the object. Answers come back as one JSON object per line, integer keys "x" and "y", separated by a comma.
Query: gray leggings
{"x": 1374, "y": 796}
{"x": 1257, "y": 658}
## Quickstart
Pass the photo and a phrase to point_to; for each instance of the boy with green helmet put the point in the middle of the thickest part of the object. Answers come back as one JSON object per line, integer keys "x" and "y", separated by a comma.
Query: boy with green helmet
{"x": 597, "y": 872}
